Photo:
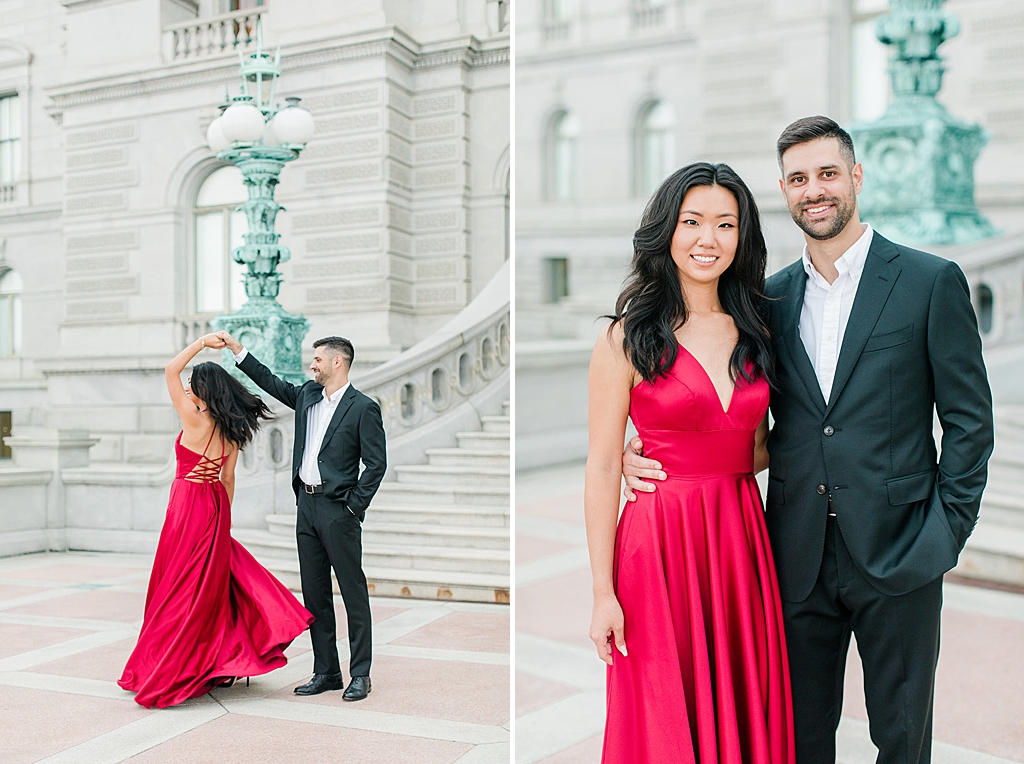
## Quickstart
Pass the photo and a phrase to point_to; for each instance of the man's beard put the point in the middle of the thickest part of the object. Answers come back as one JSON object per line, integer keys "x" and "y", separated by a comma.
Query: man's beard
{"x": 844, "y": 213}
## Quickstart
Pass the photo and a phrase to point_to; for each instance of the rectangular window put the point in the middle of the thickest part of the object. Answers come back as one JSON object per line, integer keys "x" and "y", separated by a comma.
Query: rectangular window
{"x": 210, "y": 262}
{"x": 5, "y": 430}
{"x": 10, "y": 324}
{"x": 557, "y": 278}
{"x": 10, "y": 135}
{"x": 870, "y": 89}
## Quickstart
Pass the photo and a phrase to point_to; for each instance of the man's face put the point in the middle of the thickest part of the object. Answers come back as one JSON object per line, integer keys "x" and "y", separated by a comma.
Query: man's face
{"x": 820, "y": 187}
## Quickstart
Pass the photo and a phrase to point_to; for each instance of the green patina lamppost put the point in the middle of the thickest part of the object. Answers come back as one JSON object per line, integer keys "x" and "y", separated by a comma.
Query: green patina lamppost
{"x": 259, "y": 138}
{"x": 918, "y": 158}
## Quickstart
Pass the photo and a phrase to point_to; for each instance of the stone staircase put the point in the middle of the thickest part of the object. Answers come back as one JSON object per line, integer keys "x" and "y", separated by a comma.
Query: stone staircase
{"x": 439, "y": 531}
{"x": 995, "y": 551}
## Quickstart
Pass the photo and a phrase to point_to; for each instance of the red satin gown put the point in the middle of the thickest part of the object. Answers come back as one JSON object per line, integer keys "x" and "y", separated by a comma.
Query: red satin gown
{"x": 707, "y": 675}
{"x": 212, "y": 611}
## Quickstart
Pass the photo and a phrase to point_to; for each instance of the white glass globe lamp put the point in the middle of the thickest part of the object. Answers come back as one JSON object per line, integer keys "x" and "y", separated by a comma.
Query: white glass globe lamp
{"x": 294, "y": 125}
{"x": 242, "y": 122}
{"x": 269, "y": 136}
{"x": 215, "y": 137}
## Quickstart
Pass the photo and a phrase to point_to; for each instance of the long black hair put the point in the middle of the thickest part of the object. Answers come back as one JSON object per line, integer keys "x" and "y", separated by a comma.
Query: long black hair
{"x": 235, "y": 411}
{"x": 651, "y": 306}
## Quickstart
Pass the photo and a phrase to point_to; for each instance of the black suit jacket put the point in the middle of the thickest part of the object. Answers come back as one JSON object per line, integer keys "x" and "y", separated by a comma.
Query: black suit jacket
{"x": 356, "y": 432}
{"x": 911, "y": 348}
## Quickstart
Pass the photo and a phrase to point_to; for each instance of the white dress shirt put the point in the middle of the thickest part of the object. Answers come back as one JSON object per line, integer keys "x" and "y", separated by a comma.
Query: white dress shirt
{"x": 318, "y": 417}
{"x": 827, "y": 307}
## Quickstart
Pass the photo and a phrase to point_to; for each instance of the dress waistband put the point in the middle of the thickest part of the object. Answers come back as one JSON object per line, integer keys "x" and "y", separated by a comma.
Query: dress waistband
{"x": 688, "y": 454}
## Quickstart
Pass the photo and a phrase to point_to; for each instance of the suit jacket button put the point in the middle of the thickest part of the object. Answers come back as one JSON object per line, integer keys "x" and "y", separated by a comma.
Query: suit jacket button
{"x": 821, "y": 490}
{"x": 829, "y": 429}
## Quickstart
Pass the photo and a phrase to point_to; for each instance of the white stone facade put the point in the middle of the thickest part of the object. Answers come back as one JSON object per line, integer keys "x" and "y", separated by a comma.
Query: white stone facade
{"x": 397, "y": 212}
{"x": 732, "y": 73}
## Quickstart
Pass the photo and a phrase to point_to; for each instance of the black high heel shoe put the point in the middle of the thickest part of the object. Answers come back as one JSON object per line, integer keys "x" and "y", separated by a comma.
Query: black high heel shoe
{"x": 227, "y": 682}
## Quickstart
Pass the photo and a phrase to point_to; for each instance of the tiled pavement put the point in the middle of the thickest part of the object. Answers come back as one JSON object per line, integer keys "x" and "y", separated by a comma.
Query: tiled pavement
{"x": 979, "y": 709}
{"x": 69, "y": 621}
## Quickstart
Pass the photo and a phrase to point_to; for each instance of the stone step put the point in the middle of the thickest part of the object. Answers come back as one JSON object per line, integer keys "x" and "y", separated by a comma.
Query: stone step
{"x": 495, "y": 477}
{"x": 491, "y": 441}
{"x": 410, "y": 534}
{"x": 994, "y": 552}
{"x": 421, "y": 494}
{"x": 407, "y": 582}
{"x": 432, "y": 515}
{"x": 266, "y": 545}
{"x": 496, "y": 561}
{"x": 496, "y": 423}
{"x": 469, "y": 457}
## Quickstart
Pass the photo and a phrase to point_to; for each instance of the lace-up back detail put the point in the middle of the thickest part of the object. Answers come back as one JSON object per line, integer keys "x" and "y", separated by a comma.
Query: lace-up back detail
{"x": 199, "y": 468}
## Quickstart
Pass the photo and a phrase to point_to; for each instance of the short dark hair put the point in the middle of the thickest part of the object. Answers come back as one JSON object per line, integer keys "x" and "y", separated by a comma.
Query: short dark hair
{"x": 338, "y": 346}
{"x": 811, "y": 129}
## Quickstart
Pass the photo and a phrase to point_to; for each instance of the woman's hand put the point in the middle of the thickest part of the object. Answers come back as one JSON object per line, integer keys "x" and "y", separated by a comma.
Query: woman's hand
{"x": 213, "y": 341}
{"x": 607, "y": 627}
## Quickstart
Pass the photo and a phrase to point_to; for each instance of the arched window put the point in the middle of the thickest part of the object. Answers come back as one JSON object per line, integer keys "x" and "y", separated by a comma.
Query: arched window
{"x": 219, "y": 229}
{"x": 656, "y": 146}
{"x": 985, "y": 308}
{"x": 10, "y": 313}
{"x": 564, "y": 131}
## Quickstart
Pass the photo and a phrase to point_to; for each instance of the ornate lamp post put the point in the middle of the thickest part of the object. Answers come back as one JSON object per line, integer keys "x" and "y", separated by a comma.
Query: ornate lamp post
{"x": 919, "y": 159}
{"x": 258, "y": 137}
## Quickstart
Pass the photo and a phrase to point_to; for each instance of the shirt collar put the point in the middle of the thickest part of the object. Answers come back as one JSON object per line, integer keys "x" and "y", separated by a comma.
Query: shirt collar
{"x": 337, "y": 393}
{"x": 851, "y": 262}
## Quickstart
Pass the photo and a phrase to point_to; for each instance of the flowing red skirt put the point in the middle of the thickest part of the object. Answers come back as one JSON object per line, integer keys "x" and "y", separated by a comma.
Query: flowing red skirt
{"x": 707, "y": 676}
{"x": 212, "y": 611}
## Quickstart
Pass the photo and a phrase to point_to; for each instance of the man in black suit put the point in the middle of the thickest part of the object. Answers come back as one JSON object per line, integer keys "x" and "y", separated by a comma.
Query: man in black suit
{"x": 870, "y": 338}
{"x": 336, "y": 427}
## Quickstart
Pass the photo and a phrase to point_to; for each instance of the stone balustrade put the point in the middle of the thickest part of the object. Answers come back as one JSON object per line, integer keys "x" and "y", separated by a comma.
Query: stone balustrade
{"x": 449, "y": 367}
{"x": 8, "y": 192}
{"x": 211, "y": 36}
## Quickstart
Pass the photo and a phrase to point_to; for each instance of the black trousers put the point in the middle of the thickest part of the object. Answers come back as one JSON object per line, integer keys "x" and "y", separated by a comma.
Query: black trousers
{"x": 329, "y": 536}
{"x": 898, "y": 642}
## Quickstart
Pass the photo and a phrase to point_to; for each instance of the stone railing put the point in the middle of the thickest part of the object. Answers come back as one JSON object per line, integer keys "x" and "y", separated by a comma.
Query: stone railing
{"x": 8, "y": 192}
{"x": 648, "y": 15}
{"x": 192, "y": 328}
{"x": 995, "y": 271}
{"x": 449, "y": 367}
{"x": 211, "y": 36}
{"x": 555, "y": 30}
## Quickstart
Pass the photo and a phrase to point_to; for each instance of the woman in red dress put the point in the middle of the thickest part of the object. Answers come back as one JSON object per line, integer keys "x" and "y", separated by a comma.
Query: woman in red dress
{"x": 686, "y": 602}
{"x": 212, "y": 612}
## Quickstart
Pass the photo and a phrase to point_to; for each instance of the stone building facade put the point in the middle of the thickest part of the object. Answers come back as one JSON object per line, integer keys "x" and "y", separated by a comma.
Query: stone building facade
{"x": 117, "y": 221}
{"x": 397, "y": 211}
{"x": 614, "y": 94}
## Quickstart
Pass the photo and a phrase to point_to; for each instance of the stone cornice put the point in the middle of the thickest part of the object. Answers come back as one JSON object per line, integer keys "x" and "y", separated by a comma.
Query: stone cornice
{"x": 392, "y": 43}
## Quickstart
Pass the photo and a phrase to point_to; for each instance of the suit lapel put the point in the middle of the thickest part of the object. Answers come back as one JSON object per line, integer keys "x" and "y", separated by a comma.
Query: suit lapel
{"x": 876, "y": 283}
{"x": 794, "y": 304}
{"x": 339, "y": 413}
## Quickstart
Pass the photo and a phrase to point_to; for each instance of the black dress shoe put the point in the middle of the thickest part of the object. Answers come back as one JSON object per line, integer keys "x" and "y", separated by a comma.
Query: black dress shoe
{"x": 357, "y": 689}
{"x": 320, "y": 683}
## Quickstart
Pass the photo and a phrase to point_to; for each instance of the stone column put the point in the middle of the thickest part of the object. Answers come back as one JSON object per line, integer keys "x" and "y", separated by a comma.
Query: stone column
{"x": 41, "y": 448}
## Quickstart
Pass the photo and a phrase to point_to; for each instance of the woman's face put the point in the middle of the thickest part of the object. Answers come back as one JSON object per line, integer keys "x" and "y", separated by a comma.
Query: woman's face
{"x": 200, "y": 404}
{"x": 706, "y": 236}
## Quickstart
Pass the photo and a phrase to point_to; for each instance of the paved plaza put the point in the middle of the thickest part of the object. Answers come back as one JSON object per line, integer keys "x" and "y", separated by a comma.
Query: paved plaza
{"x": 69, "y": 621}
{"x": 979, "y": 707}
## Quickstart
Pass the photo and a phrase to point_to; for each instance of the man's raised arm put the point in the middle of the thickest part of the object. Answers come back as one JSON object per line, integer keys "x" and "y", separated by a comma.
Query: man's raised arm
{"x": 285, "y": 392}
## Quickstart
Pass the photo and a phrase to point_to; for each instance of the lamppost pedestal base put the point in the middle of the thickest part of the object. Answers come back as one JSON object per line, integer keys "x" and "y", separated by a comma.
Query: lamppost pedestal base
{"x": 270, "y": 333}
